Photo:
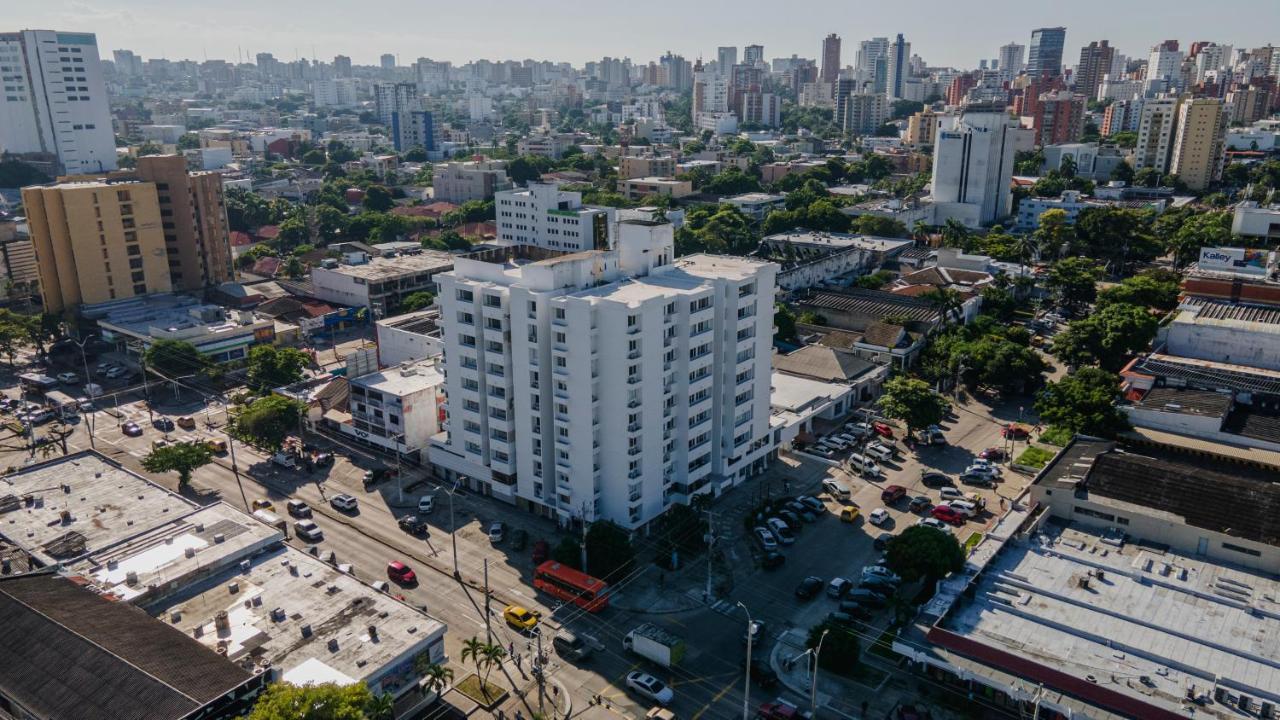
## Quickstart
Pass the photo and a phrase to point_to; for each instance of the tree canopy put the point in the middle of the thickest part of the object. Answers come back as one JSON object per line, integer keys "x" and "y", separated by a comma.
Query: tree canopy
{"x": 1083, "y": 402}
{"x": 924, "y": 552}
{"x": 326, "y": 701}
{"x": 840, "y": 648}
{"x": 271, "y": 366}
{"x": 267, "y": 421}
{"x": 183, "y": 458}
{"x": 1108, "y": 336}
{"x": 175, "y": 358}
{"x": 913, "y": 402}
{"x": 1074, "y": 280}
{"x": 609, "y": 550}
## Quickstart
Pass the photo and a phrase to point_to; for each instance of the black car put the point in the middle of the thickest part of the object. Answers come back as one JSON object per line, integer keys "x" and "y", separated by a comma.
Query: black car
{"x": 853, "y": 609}
{"x": 867, "y": 598}
{"x": 882, "y": 541}
{"x": 918, "y": 503}
{"x": 519, "y": 538}
{"x": 840, "y": 618}
{"x": 773, "y": 560}
{"x": 762, "y": 674}
{"x": 878, "y": 583}
{"x": 935, "y": 479}
{"x": 809, "y": 588}
{"x": 792, "y": 519}
{"x": 411, "y": 525}
{"x": 163, "y": 424}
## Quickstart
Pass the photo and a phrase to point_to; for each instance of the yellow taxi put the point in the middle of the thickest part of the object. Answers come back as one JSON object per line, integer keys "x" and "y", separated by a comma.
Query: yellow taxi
{"x": 216, "y": 445}
{"x": 520, "y": 618}
{"x": 262, "y": 504}
{"x": 849, "y": 513}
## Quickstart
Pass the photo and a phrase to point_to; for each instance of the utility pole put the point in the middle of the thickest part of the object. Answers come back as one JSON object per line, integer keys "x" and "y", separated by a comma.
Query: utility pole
{"x": 711, "y": 543}
{"x": 746, "y": 683}
{"x": 488, "y": 626}
{"x": 146, "y": 387}
{"x": 813, "y": 687}
{"x": 538, "y": 673}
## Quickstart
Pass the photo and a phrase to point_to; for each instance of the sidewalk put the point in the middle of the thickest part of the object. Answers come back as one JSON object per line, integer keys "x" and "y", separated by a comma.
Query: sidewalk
{"x": 655, "y": 591}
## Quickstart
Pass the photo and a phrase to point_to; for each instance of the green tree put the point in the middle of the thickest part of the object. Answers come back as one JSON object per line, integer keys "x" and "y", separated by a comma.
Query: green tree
{"x": 270, "y": 366}
{"x": 416, "y": 301}
{"x": 175, "y": 358}
{"x": 609, "y": 550}
{"x": 267, "y": 421}
{"x": 183, "y": 458}
{"x": 1126, "y": 139}
{"x": 840, "y": 649}
{"x": 1083, "y": 402}
{"x": 1153, "y": 290}
{"x": 16, "y": 174}
{"x": 954, "y": 233}
{"x": 1054, "y": 233}
{"x": 995, "y": 361}
{"x": 568, "y": 552}
{"x": 293, "y": 231}
{"x": 1200, "y": 230}
{"x": 325, "y": 701}
{"x": 880, "y": 226}
{"x": 785, "y": 321}
{"x": 378, "y": 199}
{"x": 1074, "y": 280}
{"x": 913, "y": 402}
{"x": 331, "y": 223}
{"x": 947, "y": 302}
{"x": 924, "y": 552}
{"x": 731, "y": 181}
{"x": 435, "y": 677}
{"x": 903, "y": 109}
{"x": 246, "y": 210}
{"x": 1108, "y": 336}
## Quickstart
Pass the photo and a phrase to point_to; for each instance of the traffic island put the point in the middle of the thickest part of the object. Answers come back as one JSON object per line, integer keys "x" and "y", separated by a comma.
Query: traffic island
{"x": 485, "y": 694}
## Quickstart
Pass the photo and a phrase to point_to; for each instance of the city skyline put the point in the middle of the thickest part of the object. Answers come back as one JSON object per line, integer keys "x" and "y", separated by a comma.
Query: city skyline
{"x": 557, "y": 32}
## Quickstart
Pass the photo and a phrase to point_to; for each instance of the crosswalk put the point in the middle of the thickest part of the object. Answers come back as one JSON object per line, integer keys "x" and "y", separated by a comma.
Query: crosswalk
{"x": 728, "y": 608}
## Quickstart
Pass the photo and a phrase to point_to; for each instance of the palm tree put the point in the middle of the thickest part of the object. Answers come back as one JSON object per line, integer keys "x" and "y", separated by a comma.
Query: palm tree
{"x": 920, "y": 231}
{"x": 380, "y": 707}
{"x": 493, "y": 655}
{"x": 473, "y": 650}
{"x": 954, "y": 233}
{"x": 435, "y": 676}
{"x": 1026, "y": 247}
{"x": 946, "y": 301}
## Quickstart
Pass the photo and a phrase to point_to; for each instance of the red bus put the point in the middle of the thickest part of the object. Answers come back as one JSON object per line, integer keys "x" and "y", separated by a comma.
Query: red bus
{"x": 571, "y": 585}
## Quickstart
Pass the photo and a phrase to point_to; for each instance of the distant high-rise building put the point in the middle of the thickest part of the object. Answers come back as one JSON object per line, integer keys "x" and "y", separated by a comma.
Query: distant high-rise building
{"x": 55, "y": 101}
{"x": 1011, "y": 59}
{"x": 413, "y": 129}
{"x": 1045, "y": 57}
{"x": 1199, "y": 143}
{"x": 1164, "y": 66}
{"x": 859, "y": 113}
{"x": 1120, "y": 116}
{"x": 388, "y": 61}
{"x": 341, "y": 66}
{"x": 395, "y": 97}
{"x": 830, "y": 58}
{"x": 678, "y": 72}
{"x": 1058, "y": 118}
{"x": 1096, "y": 60}
{"x": 268, "y": 65}
{"x": 898, "y": 69}
{"x": 1156, "y": 131}
{"x": 973, "y": 166}
{"x": 127, "y": 63}
{"x": 726, "y": 58}
{"x": 753, "y": 55}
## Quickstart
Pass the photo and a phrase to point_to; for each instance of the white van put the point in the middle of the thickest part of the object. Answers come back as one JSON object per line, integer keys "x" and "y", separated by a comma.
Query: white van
{"x": 879, "y": 452}
{"x": 836, "y": 490}
{"x": 864, "y": 465}
{"x": 964, "y": 507}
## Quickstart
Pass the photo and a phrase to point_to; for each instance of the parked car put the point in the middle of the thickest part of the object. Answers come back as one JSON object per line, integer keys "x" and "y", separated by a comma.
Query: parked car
{"x": 933, "y": 478}
{"x": 401, "y": 573}
{"x": 497, "y": 531}
{"x": 882, "y": 541}
{"x": 951, "y": 494}
{"x": 793, "y": 520}
{"x": 68, "y": 378}
{"x": 780, "y": 530}
{"x": 162, "y": 424}
{"x": 882, "y": 429}
{"x": 772, "y": 560}
{"x": 919, "y": 502}
{"x": 344, "y": 502}
{"x": 892, "y": 493}
{"x": 298, "y": 509}
{"x": 880, "y": 571}
{"x": 854, "y": 610}
{"x": 650, "y": 687}
{"x": 262, "y": 504}
{"x": 802, "y": 511}
{"x": 132, "y": 429}
{"x": 868, "y": 599}
{"x": 809, "y": 587}
{"x": 878, "y": 517}
{"x": 964, "y": 508}
{"x": 994, "y": 454}
{"x": 934, "y": 523}
{"x": 977, "y": 475}
{"x": 879, "y": 586}
{"x": 412, "y": 525}
{"x": 812, "y": 503}
{"x": 186, "y": 422}
{"x": 947, "y": 515}
{"x": 849, "y": 513}
{"x": 426, "y": 504}
{"x": 864, "y": 465}
{"x": 541, "y": 551}
{"x": 879, "y": 452}
{"x": 520, "y": 618}
{"x": 836, "y": 489}
{"x": 765, "y": 539}
{"x": 838, "y": 587}
{"x": 308, "y": 530}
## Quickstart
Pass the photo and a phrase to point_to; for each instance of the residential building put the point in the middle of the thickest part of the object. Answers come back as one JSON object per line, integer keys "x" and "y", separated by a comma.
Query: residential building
{"x": 1250, "y": 219}
{"x": 860, "y": 113}
{"x": 1122, "y": 116}
{"x": 391, "y": 98}
{"x": 756, "y": 205}
{"x": 973, "y": 166}
{"x": 547, "y": 217}
{"x": 647, "y": 165}
{"x": 1119, "y": 88}
{"x": 1071, "y": 202}
{"x": 1250, "y": 104}
{"x": 1091, "y": 160}
{"x": 193, "y": 217}
{"x": 381, "y": 283}
{"x": 898, "y": 68}
{"x": 97, "y": 241}
{"x": 387, "y": 61}
{"x": 546, "y": 144}
{"x": 18, "y": 258}
{"x": 1059, "y": 118}
{"x": 830, "y": 59}
{"x": 1010, "y": 60}
{"x": 1156, "y": 134}
{"x": 336, "y": 92}
{"x": 413, "y": 129}
{"x": 609, "y": 384}
{"x": 1164, "y": 67}
{"x": 217, "y": 332}
{"x": 753, "y": 55}
{"x": 341, "y": 66}
{"x": 640, "y": 188}
{"x": 408, "y": 337}
{"x": 922, "y": 128}
{"x": 726, "y": 57}
{"x": 1096, "y": 60}
{"x": 397, "y": 409}
{"x": 1198, "y": 148}
{"x": 459, "y": 182}
{"x": 1045, "y": 55}
{"x": 760, "y": 108}
{"x": 55, "y": 100}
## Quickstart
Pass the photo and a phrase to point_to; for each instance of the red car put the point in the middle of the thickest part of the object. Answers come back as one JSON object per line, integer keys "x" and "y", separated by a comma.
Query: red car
{"x": 401, "y": 573}
{"x": 541, "y": 551}
{"x": 891, "y": 493}
{"x": 947, "y": 515}
{"x": 1015, "y": 432}
{"x": 993, "y": 454}
{"x": 882, "y": 430}
{"x": 779, "y": 710}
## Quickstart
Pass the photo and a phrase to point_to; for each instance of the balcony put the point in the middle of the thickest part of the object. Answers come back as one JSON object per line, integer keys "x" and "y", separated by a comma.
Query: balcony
{"x": 633, "y": 450}
{"x": 633, "y": 355}
{"x": 633, "y": 427}
{"x": 633, "y": 330}
{"x": 633, "y": 379}
{"x": 634, "y": 404}
{"x": 634, "y": 474}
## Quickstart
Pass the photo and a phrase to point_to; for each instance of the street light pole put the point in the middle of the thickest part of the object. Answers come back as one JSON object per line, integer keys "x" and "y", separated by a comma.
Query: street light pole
{"x": 88, "y": 420}
{"x": 746, "y": 683}
{"x": 813, "y": 687}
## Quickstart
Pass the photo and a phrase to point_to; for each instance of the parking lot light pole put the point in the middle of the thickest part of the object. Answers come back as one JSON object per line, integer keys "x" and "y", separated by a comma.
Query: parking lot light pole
{"x": 746, "y": 683}
{"x": 813, "y": 686}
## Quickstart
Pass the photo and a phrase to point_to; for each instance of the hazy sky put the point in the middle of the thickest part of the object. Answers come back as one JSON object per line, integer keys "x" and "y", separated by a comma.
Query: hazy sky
{"x": 943, "y": 32}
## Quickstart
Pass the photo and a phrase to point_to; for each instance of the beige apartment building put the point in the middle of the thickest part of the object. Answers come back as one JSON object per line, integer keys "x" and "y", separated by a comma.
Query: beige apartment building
{"x": 1198, "y": 147}
{"x": 922, "y": 129}
{"x": 96, "y": 241}
{"x": 642, "y": 166}
{"x": 193, "y": 216}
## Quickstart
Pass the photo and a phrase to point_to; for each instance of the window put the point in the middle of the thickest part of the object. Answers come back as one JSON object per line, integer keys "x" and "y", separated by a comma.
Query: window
{"x": 133, "y": 250}
{"x": 465, "y": 296}
{"x": 1239, "y": 549}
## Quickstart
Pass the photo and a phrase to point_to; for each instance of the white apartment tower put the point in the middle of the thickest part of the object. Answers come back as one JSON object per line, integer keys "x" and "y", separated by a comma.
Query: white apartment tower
{"x": 973, "y": 165}
{"x": 608, "y": 384}
{"x": 54, "y": 99}
{"x": 1156, "y": 130}
{"x": 1010, "y": 60}
{"x": 545, "y": 216}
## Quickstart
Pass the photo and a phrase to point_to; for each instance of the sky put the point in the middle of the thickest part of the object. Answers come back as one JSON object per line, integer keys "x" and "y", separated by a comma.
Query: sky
{"x": 943, "y": 32}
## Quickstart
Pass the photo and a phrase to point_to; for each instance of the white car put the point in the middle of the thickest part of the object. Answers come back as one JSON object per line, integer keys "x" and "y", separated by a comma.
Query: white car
{"x": 497, "y": 531}
{"x": 426, "y": 504}
{"x": 985, "y": 463}
{"x": 650, "y": 687}
{"x": 344, "y": 502}
{"x": 880, "y": 571}
{"x": 935, "y": 523}
{"x": 766, "y": 539}
{"x": 308, "y": 530}
{"x": 68, "y": 378}
{"x": 878, "y": 517}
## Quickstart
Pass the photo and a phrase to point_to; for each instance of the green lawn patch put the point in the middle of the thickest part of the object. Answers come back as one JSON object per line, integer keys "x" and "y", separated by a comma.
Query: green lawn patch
{"x": 488, "y": 696}
{"x": 1056, "y": 435}
{"x": 972, "y": 542}
{"x": 1034, "y": 457}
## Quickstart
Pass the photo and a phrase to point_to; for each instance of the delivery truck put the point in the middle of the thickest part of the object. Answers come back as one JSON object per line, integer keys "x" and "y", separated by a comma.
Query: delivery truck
{"x": 655, "y": 644}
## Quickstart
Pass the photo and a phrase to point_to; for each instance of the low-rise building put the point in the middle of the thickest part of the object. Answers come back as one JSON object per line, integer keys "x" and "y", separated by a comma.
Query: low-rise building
{"x": 459, "y": 182}
{"x": 397, "y": 409}
{"x": 1250, "y": 219}
{"x": 547, "y": 145}
{"x": 640, "y": 188}
{"x": 381, "y": 283}
{"x": 756, "y": 205}
{"x": 649, "y": 165}
{"x": 545, "y": 216}
{"x": 1072, "y": 203}
{"x": 812, "y": 259}
{"x": 218, "y": 333}
{"x": 412, "y": 336}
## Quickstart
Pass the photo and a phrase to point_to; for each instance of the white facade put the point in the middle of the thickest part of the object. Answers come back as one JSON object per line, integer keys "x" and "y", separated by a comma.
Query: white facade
{"x": 548, "y": 217}
{"x": 398, "y": 406}
{"x": 54, "y": 99}
{"x": 458, "y": 182}
{"x": 339, "y": 92}
{"x": 1253, "y": 220}
{"x": 609, "y": 384}
{"x": 1156, "y": 134}
{"x": 1164, "y": 65}
{"x": 973, "y": 165}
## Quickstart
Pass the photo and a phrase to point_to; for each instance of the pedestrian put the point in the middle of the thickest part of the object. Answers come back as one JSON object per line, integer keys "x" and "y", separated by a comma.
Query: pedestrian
{"x": 511, "y": 648}
{"x": 517, "y": 659}
{"x": 555, "y": 691}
